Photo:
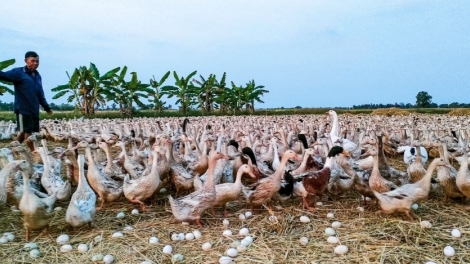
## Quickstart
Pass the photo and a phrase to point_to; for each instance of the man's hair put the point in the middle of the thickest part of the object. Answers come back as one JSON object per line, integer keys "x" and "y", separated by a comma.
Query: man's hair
{"x": 31, "y": 54}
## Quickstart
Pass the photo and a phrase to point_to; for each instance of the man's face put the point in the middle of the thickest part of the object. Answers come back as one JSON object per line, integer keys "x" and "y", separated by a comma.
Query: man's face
{"x": 32, "y": 63}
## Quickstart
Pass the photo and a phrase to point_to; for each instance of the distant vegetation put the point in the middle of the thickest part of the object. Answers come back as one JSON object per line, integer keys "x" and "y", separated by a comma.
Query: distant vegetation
{"x": 93, "y": 94}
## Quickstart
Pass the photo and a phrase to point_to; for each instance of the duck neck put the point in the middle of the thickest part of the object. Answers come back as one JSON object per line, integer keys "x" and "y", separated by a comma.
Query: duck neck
{"x": 463, "y": 170}
{"x": 89, "y": 156}
{"x": 329, "y": 162}
{"x": 238, "y": 179}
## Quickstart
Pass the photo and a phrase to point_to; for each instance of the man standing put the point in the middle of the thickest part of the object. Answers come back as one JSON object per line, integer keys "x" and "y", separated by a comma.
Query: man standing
{"x": 28, "y": 96}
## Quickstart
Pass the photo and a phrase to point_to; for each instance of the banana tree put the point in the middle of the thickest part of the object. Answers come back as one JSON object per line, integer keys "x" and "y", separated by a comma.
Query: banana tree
{"x": 134, "y": 91}
{"x": 126, "y": 93}
{"x": 237, "y": 98}
{"x": 156, "y": 95}
{"x": 86, "y": 88}
{"x": 205, "y": 92}
{"x": 222, "y": 93}
{"x": 183, "y": 90}
{"x": 253, "y": 93}
{"x": 5, "y": 87}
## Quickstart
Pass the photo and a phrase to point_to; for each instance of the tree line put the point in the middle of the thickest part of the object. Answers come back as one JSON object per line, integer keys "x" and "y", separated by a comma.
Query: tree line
{"x": 89, "y": 90}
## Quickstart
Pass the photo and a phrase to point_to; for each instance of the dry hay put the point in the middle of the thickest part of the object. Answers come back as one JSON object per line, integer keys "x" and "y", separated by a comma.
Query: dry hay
{"x": 370, "y": 238}
{"x": 393, "y": 111}
{"x": 460, "y": 112}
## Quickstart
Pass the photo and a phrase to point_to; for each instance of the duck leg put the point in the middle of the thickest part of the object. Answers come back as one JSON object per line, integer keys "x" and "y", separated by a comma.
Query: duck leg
{"x": 407, "y": 212}
{"x": 305, "y": 204}
{"x": 27, "y": 235}
{"x": 226, "y": 214}
{"x": 142, "y": 205}
{"x": 198, "y": 223}
{"x": 101, "y": 206}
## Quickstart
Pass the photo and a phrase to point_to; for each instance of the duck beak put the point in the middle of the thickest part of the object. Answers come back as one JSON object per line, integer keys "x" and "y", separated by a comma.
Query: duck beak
{"x": 297, "y": 158}
{"x": 252, "y": 175}
{"x": 346, "y": 153}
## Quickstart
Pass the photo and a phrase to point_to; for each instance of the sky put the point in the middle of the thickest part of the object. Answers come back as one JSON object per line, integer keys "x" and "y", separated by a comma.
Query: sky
{"x": 306, "y": 53}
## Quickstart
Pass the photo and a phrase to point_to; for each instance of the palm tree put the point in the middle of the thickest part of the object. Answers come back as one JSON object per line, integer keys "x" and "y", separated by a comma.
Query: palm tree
{"x": 184, "y": 91}
{"x": 156, "y": 94}
{"x": 4, "y": 88}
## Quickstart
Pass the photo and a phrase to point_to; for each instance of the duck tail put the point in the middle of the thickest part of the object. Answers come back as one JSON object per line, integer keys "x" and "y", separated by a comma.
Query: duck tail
{"x": 172, "y": 204}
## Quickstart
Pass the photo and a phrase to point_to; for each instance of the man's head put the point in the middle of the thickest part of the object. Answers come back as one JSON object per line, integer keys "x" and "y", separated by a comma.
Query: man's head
{"x": 32, "y": 60}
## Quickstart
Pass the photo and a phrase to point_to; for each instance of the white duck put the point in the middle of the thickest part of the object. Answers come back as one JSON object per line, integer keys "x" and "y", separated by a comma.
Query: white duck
{"x": 81, "y": 210}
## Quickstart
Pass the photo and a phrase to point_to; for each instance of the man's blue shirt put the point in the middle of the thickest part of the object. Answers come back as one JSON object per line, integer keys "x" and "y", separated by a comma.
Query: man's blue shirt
{"x": 28, "y": 90}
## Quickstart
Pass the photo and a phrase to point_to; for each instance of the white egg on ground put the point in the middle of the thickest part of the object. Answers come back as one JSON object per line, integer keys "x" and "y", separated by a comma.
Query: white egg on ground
{"x": 225, "y": 260}
{"x": 360, "y": 209}
{"x": 303, "y": 241}
{"x": 241, "y": 217}
{"x": 108, "y": 259}
{"x": 163, "y": 190}
{"x": 118, "y": 235}
{"x": 414, "y": 207}
{"x": 227, "y": 233}
{"x": 181, "y": 236}
{"x": 153, "y": 241}
{"x": 29, "y": 246}
{"x": 248, "y": 214}
{"x": 330, "y": 215}
{"x": 319, "y": 203}
{"x": 241, "y": 248}
{"x": 244, "y": 231}
{"x": 3, "y": 240}
{"x": 330, "y": 231}
{"x": 225, "y": 222}
{"x": 66, "y": 248}
{"x": 167, "y": 249}
{"x": 128, "y": 228}
{"x": 206, "y": 246}
{"x": 146, "y": 262}
{"x": 425, "y": 224}
{"x": 231, "y": 252}
{"x": 336, "y": 224}
{"x": 98, "y": 239}
{"x": 197, "y": 234}
{"x": 235, "y": 243}
{"x": 9, "y": 236}
{"x": 120, "y": 215}
{"x": 304, "y": 219}
{"x": 175, "y": 237}
{"x": 82, "y": 248}
{"x": 245, "y": 242}
{"x": 332, "y": 240}
{"x": 430, "y": 262}
{"x": 34, "y": 253}
{"x": 97, "y": 257}
{"x": 62, "y": 239}
{"x": 341, "y": 250}
{"x": 177, "y": 258}
{"x": 249, "y": 238}
{"x": 135, "y": 212}
{"x": 189, "y": 236}
{"x": 456, "y": 233}
{"x": 58, "y": 208}
{"x": 449, "y": 251}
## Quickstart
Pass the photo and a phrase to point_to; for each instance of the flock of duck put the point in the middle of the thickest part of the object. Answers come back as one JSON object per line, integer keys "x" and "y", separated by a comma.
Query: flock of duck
{"x": 210, "y": 161}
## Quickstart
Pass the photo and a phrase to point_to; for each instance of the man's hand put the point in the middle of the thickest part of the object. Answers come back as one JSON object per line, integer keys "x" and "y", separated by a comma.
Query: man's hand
{"x": 49, "y": 112}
